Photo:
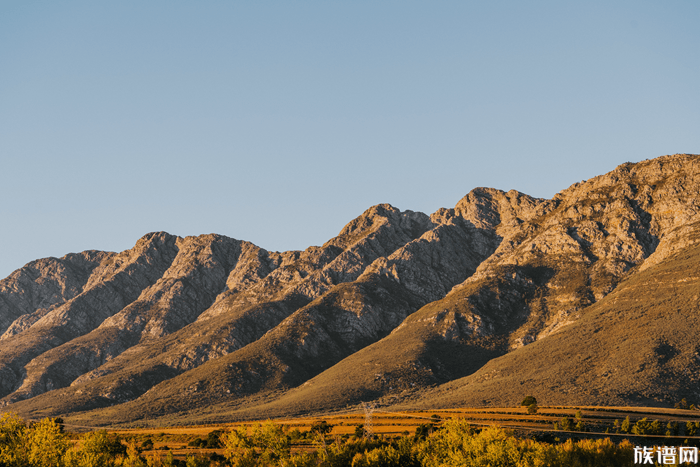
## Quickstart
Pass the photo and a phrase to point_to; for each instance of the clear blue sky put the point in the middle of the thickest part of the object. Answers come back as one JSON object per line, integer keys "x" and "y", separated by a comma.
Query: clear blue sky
{"x": 278, "y": 122}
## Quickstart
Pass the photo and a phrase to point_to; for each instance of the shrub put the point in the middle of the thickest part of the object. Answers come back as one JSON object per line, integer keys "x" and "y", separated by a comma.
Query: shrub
{"x": 626, "y": 425}
{"x": 528, "y": 401}
{"x": 567, "y": 424}
{"x": 359, "y": 431}
{"x": 423, "y": 430}
{"x": 647, "y": 427}
{"x": 691, "y": 428}
{"x": 683, "y": 404}
{"x": 322, "y": 427}
{"x": 214, "y": 439}
{"x": 98, "y": 449}
{"x": 46, "y": 444}
{"x": 12, "y": 440}
{"x": 267, "y": 443}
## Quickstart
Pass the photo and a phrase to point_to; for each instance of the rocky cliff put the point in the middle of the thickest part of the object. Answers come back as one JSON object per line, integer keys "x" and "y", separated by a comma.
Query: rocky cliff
{"x": 396, "y": 307}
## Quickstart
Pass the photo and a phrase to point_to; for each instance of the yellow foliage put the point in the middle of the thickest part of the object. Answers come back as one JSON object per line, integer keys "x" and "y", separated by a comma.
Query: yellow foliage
{"x": 13, "y": 448}
{"x": 46, "y": 444}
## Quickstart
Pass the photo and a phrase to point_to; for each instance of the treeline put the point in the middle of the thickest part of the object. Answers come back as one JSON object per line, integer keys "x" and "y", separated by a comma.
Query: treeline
{"x": 453, "y": 443}
{"x": 641, "y": 427}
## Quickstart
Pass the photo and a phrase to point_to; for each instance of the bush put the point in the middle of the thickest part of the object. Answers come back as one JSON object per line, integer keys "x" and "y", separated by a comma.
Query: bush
{"x": 626, "y": 425}
{"x": 567, "y": 424}
{"x": 321, "y": 427}
{"x": 214, "y": 439}
{"x": 528, "y": 401}
{"x": 267, "y": 443}
{"x": 691, "y": 428}
{"x": 98, "y": 449}
{"x": 647, "y": 427}
{"x": 683, "y": 404}
{"x": 359, "y": 431}
{"x": 423, "y": 430}
{"x": 12, "y": 440}
{"x": 46, "y": 443}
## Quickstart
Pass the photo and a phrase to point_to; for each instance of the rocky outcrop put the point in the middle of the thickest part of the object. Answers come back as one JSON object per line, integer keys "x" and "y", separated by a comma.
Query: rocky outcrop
{"x": 636, "y": 346}
{"x": 556, "y": 259}
{"x": 260, "y": 291}
{"x": 187, "y": 288}
{"x": 341, "y": 321}
{"x": 32, "y": 291}
{"x": 117, "y": 282}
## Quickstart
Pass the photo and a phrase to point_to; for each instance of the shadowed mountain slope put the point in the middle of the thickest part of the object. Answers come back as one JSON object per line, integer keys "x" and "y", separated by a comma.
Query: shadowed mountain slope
{"x": 345, "y": 318}
{"x": 549, "y": 269}
{"x": 400, "y": 307}
{"x": 637, "y": 346}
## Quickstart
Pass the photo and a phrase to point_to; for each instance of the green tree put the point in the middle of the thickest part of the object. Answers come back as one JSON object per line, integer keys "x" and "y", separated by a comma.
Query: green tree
{"x": 267, "y": 444}
{"x": 683, "y": 404}
{"x": 457, "y": 444}
{"x": 359, "y": 431}
{"x": 46, "y": 444}
{"x": 295, "y": 435}
{"x": 196, "y": 461}
{"x": 98, "y": 449}
{"x": 647, "y": 427}
{"x": 567, "y": 424}
{"x": 133, "y": 456}
{"x": 239, "y": 448}
{"x": 271, "y": 438}
{"x": 528, "y": 401}
{"x": 399, "y": 454}
{"x": 532, "y": 409}
{"x": 626, "y": 425}
{"x": 214, "y": 439}
{"x": 423, "y": 430}
{"x": 13, "y": 446}
{"x": 169, "y": 460}
{"x": 322, "y": 427}
{"x": 616, "y": 426}
{"x": 154, "y": 460}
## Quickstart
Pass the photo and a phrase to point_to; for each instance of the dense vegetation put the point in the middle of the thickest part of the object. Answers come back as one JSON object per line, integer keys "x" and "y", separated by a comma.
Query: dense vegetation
{"x": 269, "y": 444}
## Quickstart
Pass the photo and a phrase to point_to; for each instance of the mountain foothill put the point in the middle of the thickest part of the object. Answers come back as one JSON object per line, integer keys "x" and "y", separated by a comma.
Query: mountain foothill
{"x": 591, "y": 297}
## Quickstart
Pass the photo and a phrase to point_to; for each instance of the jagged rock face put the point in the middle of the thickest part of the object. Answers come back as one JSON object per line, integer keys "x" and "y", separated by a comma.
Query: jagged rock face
{"x": 637, "y": 346}
{"x": 556, "y": 259}
{"x": 188, "y": 287}
{"x": 247, "y": 289}
{"x": 116, "y": 282}
{"x": 396, "y": 302}
{"x": 30, "y": 292}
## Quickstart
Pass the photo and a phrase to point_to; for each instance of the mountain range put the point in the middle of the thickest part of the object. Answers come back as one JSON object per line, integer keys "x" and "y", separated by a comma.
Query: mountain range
{"x": 589, "y": 298}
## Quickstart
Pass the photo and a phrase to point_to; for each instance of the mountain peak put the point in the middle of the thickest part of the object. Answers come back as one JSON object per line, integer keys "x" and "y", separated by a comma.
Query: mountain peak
{"x": 577, "y": 298}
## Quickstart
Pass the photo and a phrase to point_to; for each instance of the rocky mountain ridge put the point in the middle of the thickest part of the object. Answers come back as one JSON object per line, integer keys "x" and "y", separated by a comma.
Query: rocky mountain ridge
{"x": 397, "y": 304}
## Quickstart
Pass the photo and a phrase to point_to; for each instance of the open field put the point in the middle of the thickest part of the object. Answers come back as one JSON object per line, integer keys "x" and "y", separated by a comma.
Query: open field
{"x": 395, "y": 422}
{"x": 597, "y": 420}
